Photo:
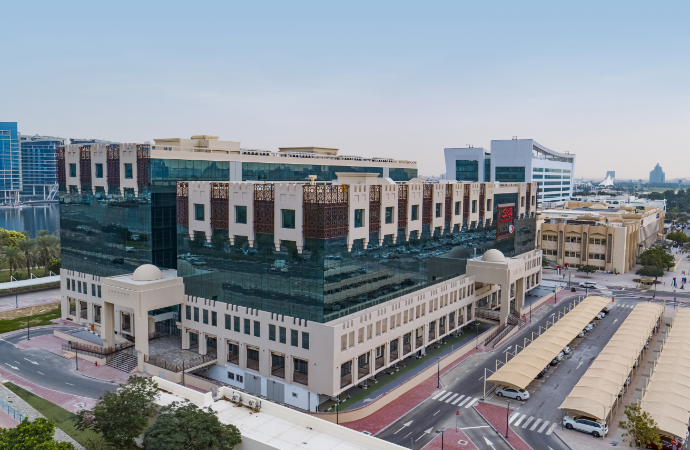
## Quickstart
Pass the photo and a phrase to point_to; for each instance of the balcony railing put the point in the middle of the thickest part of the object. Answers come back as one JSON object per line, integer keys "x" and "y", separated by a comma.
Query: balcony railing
{"x": 452, "y": 324}
{"x": 84, "y": 314}
{"x": 345, "y": 380}
{"x": 301, "y": 378}
{"x": 363, "y": 371}
{"x": 407, "y": 348}
{"x": 253, "y": 364}
{"x": 379, "y": 362}
{"x": 419, "y": 341}
{"x": 278, "y": 371}
{"x": 234, "y": 358}
{"x": 72, "y": 312}
{"x": 441, "y": 330}
{"x": 432, "y": 335}
{"x": 394, "y": 354}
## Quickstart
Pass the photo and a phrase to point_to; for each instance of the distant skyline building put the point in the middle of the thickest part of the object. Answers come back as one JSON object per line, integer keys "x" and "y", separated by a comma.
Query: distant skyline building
{"x": 10, "y": 162}
{"x": 515, "y": 160}
{"x": 39, "y": 166}
{"x": 657, "y": 175}
{"x": 611, "y": 173}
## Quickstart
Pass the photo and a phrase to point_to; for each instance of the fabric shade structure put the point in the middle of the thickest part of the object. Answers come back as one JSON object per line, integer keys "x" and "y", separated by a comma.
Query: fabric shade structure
{"x": 667, "y": 396}
{"x": 526, "y": 365}
{"x": 597, "y": 391}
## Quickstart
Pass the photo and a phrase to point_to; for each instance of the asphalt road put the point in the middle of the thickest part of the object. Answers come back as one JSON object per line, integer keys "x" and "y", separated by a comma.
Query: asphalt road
{"x": 47, "y": 369}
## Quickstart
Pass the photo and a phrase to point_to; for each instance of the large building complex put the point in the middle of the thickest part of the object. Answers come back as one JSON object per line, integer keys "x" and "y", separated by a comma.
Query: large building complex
{"x": 39, "y": 167}
{"x": 296, "y": 274}
{"x": 10, "y": 163}
{"x": 608, "y": 236}
{"x": 657, "y": 175}
{"x": 516, "y": 160}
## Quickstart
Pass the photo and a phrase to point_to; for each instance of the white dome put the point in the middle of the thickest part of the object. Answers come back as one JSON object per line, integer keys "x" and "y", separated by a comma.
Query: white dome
{"x": 493, "y": 255}
{"x": 147, "y": 272}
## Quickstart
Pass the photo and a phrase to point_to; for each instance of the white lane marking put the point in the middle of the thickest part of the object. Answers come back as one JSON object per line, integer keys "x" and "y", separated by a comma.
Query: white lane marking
{"x": 437, "y": 395}
{"x": 404, "y": 425}
{"x": 488, "y": 442}
{"x": 451, "y": 398}
{"x": 41, "y": 373}
{"x": 13, "y": 367}
{"x": 458, "y": 399}
{"x": 407, "y": 435}
{"x": 546, "y": 422}
{"x": 534, "y": 425}
{"x": 32, "y": 362}
{"x": 69, "y": 383}
{"x": 425, "y": 432}
{"x": 513, "y": 416}
{"x": 519, "y": 421}
{"x": 473, "y": 402}
{"x": 436, "y": 412}
{"x": 464, "y": 401}
{"x": 551, "y": 428}
{"x": 578, "y": 366}
{"x": 444, "y": 396}
{"x": 528, "y": 422}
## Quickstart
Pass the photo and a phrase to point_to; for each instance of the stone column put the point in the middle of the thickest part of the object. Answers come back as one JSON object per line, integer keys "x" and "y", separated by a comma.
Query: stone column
{"x": 185, "y": 338}
{"x": 141, "y": 332}
{"x": 108, "y": 324}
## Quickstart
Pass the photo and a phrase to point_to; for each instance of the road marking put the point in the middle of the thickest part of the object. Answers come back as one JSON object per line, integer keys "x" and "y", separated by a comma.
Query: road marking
{"x": 464, "y": 401}
{"x": 407, "y": 435}
{"x": 425, "y": 432}
{"x": 474, "y": 401}
{"x": 69, "y": 383}
{"x": 548, "y": 433}
{"x": 473, "y": 428}
{"x": 578, "y": 366}
{"x": 13, "y": 367}
{"x": 519, "y": 421}
{"x": 436, "y": 412}
{"x": 444, "y": 396}
{"x": 404, "y": 425}
{"x": 488, "y": 442}
{"x": 451, "y": 398}
{"x": 458, "y": 399}
{"x": 41, "y": 373}
{"x": 546, "y": 422}
{"x": 528, "y": 422}
{"x": 513, "y": 416}
{"x": 437, "y": 395}
{"x": 32, "y": 362}
{"x": 534, "y": 425}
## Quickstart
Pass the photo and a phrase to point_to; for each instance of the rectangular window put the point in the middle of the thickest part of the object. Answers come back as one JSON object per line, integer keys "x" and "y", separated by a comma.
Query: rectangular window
{"x": 79, "y": 286}
{"x": 474, "y": 206}
{"x": 240, "y": 214}
{"x": 214, "y": 319}
{"x": 236, "y": 324}
{"x": 99, "y": 170}
{"x": 488, "y": 205}
{"x": 282, "y": 335}
{"x": 257, "y": 328}
{"x": 73, "y": 170}
{"x": 415, "y": 212}
{"x": 305, "y": 340}
{"x": 205, "y": 316}
{"x": 359, "y": 218}
{"x": 188, "y": 311}
{"x": 389, "y": 214}
{"x": 294, "y": 338}
{"x": 231, "y": 376}
{"x": 438, "y": 209}
{"x": 198, "y": 211}
{"x": 99, "y": 291}
{"x": 128, "y": 171}
{"x": 247, "y": 325}
{"x": 68, "y": 285}
{"x": 457, "y": 208}
{"x": 228, "y": 322}
{"x": 288, "y": 218}
{"x": 93, "y": 290}
{"x": 196, "y": 314}
{"x": 467, "y": 170}
{"x": 271, "y": 332}
{"x": 510, "y": 174}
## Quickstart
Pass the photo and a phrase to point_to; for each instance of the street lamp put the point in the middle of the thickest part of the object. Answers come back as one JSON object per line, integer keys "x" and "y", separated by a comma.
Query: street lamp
{"x": 438, "y": 372}
{"x": 477, "y": 325}
{"x": 507, "y": 416}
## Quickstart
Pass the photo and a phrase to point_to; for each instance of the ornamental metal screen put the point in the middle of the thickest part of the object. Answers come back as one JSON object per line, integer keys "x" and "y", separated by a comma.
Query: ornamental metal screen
{"x": 85, "y": 165}
{"x": 402, "y": 206}
{"x": 326, "y": 210}
{"x": 61, "y": 173}
{"x": 374, "y": 208}
{"x": 220, "y": 206}
{"x": 427, "y": 201}
{"x": 113, "y": 163}
{"x": 264, "y": 208}
{"x": 183, "y": 203}
{"x": 143, "y": 164}
{"x": 449, "y": 202}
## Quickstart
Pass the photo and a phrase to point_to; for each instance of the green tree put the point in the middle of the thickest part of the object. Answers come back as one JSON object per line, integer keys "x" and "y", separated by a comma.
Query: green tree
{"x": 677, "y": 236}
{"x": 27, "y": 247}
{"x": 47, "y": 247}
{"x": 10, "y": 238}
{"x": 184, "y": 426}
{"x": 43, "y": 233}
{"x": 658, "y": 257}
{"x": 640, "y": 427}
{"x": 586, "y": 268}
{"x": 54, "y": 265}
{"x": 36, "y": 435}
{"x": 13, "y": 257}
{"x": 650, "y": 271}
{"x": 545, "y": 262}
{"x": 123, "y": 415}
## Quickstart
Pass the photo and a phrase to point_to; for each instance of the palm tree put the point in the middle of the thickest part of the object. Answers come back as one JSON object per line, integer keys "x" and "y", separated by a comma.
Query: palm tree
{"x": 13, "y": 256}
{"x": 27, "y": 247}
{"x": 47, "y": 246}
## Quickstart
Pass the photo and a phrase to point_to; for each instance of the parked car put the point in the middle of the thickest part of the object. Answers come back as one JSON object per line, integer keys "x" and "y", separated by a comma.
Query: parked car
{"x": 512, "y": 393}
{"x": 599, "y": 316}
{"x": 588, "y": 284}
{"x": 589, "y": 426}
{"x": 665, "y": 444}
{"x": 566, "y": 350}
{"x": 589, "y": 327}
{"x": 543, "y": 372}
{"x": 581, "y": 334}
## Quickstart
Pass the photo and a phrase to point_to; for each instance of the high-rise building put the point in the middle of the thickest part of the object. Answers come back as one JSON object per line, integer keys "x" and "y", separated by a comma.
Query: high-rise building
{"x": 294, "y": 274}
{"x": 516, "y": 160}
{"x": 657, "y": 175}
{"x": 39, "y": 167}
{"x": 10, "y": 163}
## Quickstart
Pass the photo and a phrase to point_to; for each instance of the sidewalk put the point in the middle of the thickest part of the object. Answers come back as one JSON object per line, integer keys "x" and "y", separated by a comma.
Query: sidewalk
{"x": 497, "y": 417}
{"x": 451, "y": 439}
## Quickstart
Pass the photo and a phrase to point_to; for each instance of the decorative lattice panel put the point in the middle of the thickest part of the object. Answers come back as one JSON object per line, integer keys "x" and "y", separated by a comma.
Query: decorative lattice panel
{"x": 374, "y": 208}
{"x": 466, "y": 202}
{"x": 482, "y": 198}
{"x": 264, "y": 208}
{"x": 560, "y": 245}
{"x": 183, "y": 203}
{"x": 220, "y": 206}
{"x": 143, "y": 164}
{"x": 584, "y": 246}
{"x": 113, "y": 163}
{"x": 61, "y": 171}
{"x": 609, "y": 248}
{"x": 528, "y": 199}
{"x": 402, "y": 206}
{"x": 427, "y": 203}
{"x": 85, "y": 165}
{"x": 326, "y": 213}
{"x": 449, "y": 202}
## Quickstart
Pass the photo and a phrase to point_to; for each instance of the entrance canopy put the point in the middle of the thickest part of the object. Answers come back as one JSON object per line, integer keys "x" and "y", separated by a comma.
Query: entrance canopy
{"x": 597, "y": 391}
{"x": 667, "y": 397}
{"x": 526, "y": 365}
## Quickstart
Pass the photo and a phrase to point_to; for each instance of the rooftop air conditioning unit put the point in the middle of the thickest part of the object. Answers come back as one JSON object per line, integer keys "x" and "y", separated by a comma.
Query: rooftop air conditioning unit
{"x": 236, "y": 398}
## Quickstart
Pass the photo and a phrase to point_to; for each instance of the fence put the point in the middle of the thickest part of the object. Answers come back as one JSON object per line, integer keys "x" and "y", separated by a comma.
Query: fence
{"x": 95, "y": 350}
{"x": 177, "y": 367}
{"x": 11, "y": 411}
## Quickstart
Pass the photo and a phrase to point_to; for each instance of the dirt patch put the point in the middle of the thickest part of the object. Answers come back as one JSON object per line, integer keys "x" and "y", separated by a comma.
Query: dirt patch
{"x": 28, "y": 311}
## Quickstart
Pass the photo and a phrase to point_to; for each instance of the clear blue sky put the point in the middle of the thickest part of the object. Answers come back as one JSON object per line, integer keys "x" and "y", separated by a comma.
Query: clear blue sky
{"x": 605, "y": 80}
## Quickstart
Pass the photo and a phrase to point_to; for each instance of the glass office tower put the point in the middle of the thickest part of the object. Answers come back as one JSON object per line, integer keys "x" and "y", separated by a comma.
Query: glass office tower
{"x": 39, "y": 166}
{"x": 10, "y": 162}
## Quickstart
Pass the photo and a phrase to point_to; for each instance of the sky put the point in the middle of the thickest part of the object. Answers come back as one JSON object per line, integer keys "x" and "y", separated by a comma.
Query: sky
{"x": 607, "y": 81}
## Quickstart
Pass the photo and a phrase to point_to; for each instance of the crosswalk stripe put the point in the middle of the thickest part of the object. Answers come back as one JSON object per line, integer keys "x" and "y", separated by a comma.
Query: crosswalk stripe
{"x": 451, "y": 398}
{"x": 474, "y": 400}
{"x": 528, "y": 422}
{"x": 437, "y": 395}
{"x": 464, "y": 401}
{"x": 535, "y": 425}
{"x": 458, "y": 399}
{"x": 519, "y": 421}
{"x": 444, "y": 396}
{"x": 513, "y": 417}
{"x": 548, "y": 433}
{"x": 543, "y": 427}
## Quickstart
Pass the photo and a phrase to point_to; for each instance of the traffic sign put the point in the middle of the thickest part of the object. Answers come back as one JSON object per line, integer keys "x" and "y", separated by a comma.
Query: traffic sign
{"x": 674, "y": 442}
{"x": 457, "y": 413}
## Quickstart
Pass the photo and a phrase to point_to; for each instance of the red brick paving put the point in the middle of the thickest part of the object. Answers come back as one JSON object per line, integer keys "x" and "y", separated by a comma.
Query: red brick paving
{"x": 496, "y": 416}
{"x": 6, "y": 421}
{"x": 451, "y": 439}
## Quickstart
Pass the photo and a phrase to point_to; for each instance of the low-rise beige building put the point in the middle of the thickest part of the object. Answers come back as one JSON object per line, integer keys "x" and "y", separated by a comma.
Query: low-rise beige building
{"x": 610, "y": 237}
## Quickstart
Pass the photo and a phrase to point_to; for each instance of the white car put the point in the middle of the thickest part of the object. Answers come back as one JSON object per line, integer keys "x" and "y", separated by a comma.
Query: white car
{"x": 566, "y": 350}
{"x": 582, "y": 334}
{"x": 588, "y": 284}
{"x": 589, "y": 327}
{"x": 589, "y": 426}
{"x": 512, "y": 393}
{"x": 600, "y": 316}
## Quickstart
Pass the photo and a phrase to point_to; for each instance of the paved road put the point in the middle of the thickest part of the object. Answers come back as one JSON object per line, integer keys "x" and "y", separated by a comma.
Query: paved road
{"x": 47, "y": 369}
{"x": 9, "y": 302}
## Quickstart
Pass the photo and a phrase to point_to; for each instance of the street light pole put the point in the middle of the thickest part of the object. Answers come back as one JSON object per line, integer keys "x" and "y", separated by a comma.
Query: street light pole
{"x": 438, "y": 372}
{"x": 477, "y": 346}
{"x": 76, "y": 355}
{"x": 183, "y": 372}
{"x": 507, "y": 416}
{"x": 28, "y": 328}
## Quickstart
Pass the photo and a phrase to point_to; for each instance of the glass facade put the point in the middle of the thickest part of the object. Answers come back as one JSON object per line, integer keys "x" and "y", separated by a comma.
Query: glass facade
{"x": 508, "y": 174}
{"x": 39, "y": 166}
{"x": 487, "y": 170}
{"x": 466, "y": 170}
{"x": 255, "y": 171}
{"x": 10, "y": 161}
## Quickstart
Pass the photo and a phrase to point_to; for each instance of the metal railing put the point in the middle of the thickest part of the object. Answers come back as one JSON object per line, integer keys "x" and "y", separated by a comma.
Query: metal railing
{"x": 177, "y": 367}
{"x": 11, "y": 411}
{"x": 495, "y": 333}
{"x": 502, "y": 334}
{"x": 95, "y": 350}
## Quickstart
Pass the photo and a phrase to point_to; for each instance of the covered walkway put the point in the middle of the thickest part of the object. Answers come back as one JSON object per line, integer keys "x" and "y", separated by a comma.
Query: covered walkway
{"x": 597, "y": 392}
{"x": 519, "y": 372}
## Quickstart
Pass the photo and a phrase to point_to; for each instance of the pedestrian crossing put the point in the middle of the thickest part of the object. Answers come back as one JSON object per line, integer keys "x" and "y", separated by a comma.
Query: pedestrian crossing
{"x": 531, "y": 423}
{"x": 455, "y": 399}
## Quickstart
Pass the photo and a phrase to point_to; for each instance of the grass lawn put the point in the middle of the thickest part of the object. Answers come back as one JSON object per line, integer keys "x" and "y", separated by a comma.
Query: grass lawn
{"x": 37, "y": 320}
{"x": 19, "y": 273}
{"x": 64, "y": 419}
{"x": 39, "y": 287}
